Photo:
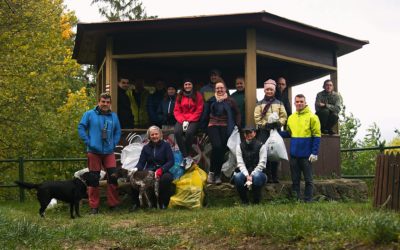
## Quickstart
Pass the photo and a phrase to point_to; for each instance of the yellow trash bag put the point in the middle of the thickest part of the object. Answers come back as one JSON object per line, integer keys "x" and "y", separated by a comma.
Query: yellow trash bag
{"x": 189, "y": 189}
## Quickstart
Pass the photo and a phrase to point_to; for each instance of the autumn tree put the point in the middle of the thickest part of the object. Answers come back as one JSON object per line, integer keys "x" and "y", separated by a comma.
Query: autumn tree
{"x": 36, "y": 75}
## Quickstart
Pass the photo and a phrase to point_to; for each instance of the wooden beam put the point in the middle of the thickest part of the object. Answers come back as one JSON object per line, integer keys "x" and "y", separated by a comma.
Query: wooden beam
{"x": 294, "y": 60}
{"x": 111, "y": 74}
{"x": 181, "y": 54}
{"x": 250, "y": 76}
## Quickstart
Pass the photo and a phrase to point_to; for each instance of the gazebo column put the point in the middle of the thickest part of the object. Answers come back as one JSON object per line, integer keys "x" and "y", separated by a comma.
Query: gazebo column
{"x": 111, "y": 74}
{"x": 250, "y": 76}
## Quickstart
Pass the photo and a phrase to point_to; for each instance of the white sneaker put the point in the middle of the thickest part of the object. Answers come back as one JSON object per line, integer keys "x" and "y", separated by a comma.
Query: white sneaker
{"x": 188, "y": 162}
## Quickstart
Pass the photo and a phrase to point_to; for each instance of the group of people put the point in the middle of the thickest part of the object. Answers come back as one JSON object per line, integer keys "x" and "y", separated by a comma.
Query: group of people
{"x": 214, "y": 111}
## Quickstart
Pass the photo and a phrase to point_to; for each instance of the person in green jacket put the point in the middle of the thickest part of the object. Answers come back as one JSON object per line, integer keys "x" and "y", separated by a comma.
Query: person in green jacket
{"x": 238, "y": 95}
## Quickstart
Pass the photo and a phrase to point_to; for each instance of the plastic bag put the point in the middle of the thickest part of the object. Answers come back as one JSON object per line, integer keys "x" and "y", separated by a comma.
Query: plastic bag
{"x": 176, "y": 170}
{"x": 274, "y": 117}
{"x": 276, "y": 149}
{"x": 229, "y": 166}
{"x": 233, "y": 140}
{"x": 189, "y": 189}
{"x": 130, "y": 155}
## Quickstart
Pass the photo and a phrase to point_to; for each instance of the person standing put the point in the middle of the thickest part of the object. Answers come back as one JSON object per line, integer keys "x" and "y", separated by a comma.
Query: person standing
{"x": 305, "y": 132}
{"x": 100, "y": 130}
{"x": 188, "y": 109}
{"x": 125, "y": 114}
{"x": 166, "y": 108}
{"x": 223, "y": 115}
{"x": 262, "y": 112}
{"x": 239, "y": 97}
{"x": 327, "y": 106}
{"x": 138, "y": 99}
{"x": 251, "y": 156}
{"x": 154, "y": 101}
{"x": 208, "y": 90}
{"x": 282, "y": 94}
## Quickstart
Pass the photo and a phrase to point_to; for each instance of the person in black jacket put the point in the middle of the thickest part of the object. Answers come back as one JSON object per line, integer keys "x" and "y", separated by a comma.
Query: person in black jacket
{"x": 156, "y": 156}
{"x": 166, "y": 108}
{"x": 282, "y": 94}
{"x": 251, "y": 157}
{"x": 125, "y": 114}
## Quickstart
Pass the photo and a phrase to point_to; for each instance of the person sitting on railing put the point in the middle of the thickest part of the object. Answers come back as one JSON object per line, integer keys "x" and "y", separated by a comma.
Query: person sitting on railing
{"x": 327, "y": 106}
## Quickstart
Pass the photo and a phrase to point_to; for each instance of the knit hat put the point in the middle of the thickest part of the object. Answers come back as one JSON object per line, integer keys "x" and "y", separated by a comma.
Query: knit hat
{"x": 270, "y": 83}
{"x": 171, "y": 85}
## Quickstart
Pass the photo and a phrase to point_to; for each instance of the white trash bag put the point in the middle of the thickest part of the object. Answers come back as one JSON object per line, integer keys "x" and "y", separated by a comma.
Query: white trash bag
{"x": 130, "y": 154}
{"x": 229, "y": 166}
{"x": 233, "y": 140}
{"x": 276, "y": 149}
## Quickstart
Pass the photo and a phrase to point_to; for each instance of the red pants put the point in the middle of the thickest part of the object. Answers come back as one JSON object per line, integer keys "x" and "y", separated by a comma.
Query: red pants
{"x": 95, "y": 163}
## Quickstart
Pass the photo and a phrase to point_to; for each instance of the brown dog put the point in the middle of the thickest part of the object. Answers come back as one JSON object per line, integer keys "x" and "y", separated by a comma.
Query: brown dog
{"x": 148, "y": 186}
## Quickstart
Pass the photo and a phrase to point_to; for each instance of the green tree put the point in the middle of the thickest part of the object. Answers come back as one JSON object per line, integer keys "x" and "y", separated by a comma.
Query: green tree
{"x": 120, "y": 10}
{"x": 36, "y": 73}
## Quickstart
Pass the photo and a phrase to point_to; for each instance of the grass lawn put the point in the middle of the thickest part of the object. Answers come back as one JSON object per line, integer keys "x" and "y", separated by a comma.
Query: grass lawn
{"x": 292, "y": 225}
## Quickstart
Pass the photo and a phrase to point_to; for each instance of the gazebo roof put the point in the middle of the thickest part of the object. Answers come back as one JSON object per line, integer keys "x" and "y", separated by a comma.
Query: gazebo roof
{"x": 91, "y": 35}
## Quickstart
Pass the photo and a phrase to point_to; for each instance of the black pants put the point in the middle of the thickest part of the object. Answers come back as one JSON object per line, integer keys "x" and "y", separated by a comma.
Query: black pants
{"x": 327, "y": 118}
{"x": 300, "y": 165}
{"x": 218, "y": 136}
{"x": 185, "y": 139}
{"x": 166, "y": 190}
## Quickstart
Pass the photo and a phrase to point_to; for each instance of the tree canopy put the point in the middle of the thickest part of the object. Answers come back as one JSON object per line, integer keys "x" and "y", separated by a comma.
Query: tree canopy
{"x": 36, "y": 75}
{"x": 121, "y": 10}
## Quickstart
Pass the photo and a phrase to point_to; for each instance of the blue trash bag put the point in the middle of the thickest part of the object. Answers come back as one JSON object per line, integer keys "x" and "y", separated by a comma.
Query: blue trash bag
{"x": 178, "y": 156}
{"x": 177, "y": 171}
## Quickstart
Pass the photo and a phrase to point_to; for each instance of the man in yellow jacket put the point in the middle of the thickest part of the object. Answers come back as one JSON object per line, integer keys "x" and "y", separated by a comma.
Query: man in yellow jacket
{"x": 138, "y": 99}
{"x": 305, "y": 131}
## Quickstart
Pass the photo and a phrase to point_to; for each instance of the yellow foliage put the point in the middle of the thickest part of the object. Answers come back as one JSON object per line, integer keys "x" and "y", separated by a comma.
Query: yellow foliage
{"x": 394, "y": 142}
{"x": 66, "y": 26}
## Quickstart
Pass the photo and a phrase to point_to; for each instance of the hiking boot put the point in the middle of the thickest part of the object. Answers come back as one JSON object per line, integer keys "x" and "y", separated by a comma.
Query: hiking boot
{"x": 211, "y": 178}
{"x": 218, "y": 180}
{"x": 94, "y": 211}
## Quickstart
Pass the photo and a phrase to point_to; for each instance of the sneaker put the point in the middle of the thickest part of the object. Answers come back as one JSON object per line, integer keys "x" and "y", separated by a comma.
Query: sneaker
{"x": 188, "y": 162}
{"x": 211, "y": 178}
{"x": 218, "y": 180}
{"x": 94, "y": 211}
{"x": 183, "y": 163}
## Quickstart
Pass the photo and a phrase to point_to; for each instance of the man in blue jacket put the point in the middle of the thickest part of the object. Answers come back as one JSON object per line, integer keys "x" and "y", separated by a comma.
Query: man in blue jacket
{"x": 100, "y": 130}
{"x": 305, "y": 131}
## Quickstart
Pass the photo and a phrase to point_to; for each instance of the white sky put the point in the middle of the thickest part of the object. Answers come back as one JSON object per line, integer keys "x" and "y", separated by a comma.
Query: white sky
{"x": 362, "y": 75}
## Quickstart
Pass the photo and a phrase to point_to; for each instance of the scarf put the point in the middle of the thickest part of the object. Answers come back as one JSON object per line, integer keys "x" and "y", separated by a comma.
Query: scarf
{"x": 187, "y": 94}
{"x": 221, "y": 98}
{"x": 269, "y": 101}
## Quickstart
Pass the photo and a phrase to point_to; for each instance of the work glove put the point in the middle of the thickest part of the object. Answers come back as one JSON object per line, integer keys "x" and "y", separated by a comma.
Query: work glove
{"x": 158, "y": 173}
{"x": 248, "y": 184}
{"x": 185, "y": 126}
{"x": 313, "y": 158}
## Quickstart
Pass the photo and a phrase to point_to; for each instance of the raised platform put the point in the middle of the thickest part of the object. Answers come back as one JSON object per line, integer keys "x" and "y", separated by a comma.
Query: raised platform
{"x": 332, "y": 189}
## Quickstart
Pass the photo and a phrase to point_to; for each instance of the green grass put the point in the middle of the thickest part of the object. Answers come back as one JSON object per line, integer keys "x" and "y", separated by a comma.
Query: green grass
{"x": 320, "y": 225}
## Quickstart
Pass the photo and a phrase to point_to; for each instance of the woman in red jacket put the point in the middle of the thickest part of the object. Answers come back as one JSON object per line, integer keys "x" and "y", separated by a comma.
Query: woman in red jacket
{"x": 188, "y": 109}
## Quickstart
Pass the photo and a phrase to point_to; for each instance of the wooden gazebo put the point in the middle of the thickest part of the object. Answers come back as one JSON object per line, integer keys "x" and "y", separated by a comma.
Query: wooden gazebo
{"x": 256, "y": 45}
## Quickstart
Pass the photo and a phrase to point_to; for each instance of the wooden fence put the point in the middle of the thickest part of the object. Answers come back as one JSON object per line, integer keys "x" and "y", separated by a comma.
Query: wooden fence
{"x": 387, "y": 181}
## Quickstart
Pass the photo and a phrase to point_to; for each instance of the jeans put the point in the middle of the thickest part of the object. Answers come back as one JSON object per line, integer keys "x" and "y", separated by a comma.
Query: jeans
{"x": 259, "y": 179}
{"x": 297, "y": 166}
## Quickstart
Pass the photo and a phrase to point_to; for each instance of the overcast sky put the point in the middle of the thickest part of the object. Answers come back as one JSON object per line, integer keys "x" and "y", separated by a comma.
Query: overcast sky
{"x": 367, "y": 77}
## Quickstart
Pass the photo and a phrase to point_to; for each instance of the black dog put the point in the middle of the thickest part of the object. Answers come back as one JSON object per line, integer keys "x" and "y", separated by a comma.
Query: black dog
{"x": 70, "y": 191}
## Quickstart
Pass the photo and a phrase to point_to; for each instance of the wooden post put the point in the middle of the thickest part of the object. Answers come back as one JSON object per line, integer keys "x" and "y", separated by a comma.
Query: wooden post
{"x": 111, "y": 75}
{"x": 250, "y": 76}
